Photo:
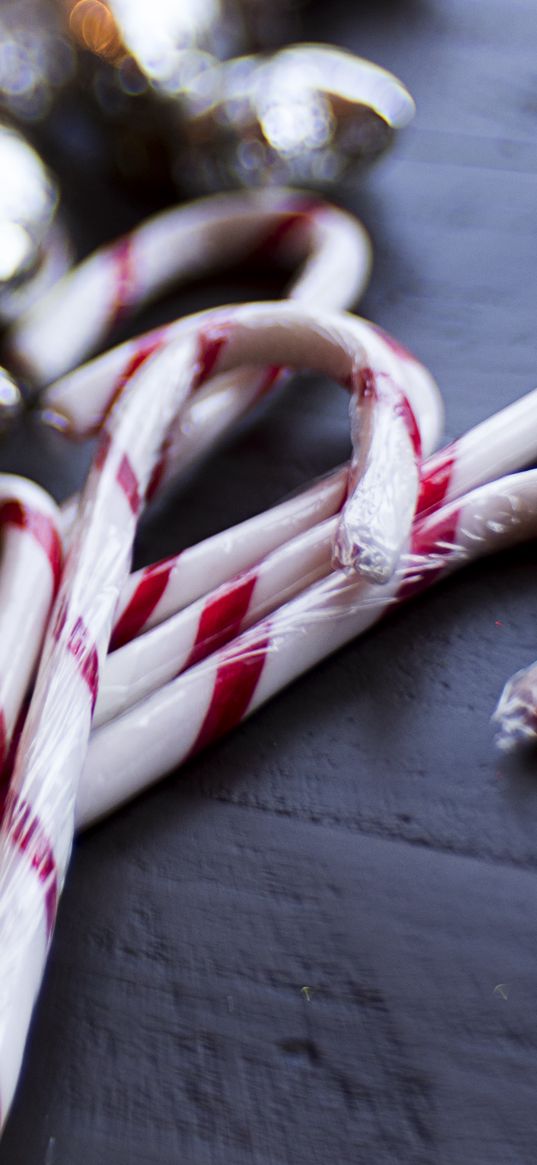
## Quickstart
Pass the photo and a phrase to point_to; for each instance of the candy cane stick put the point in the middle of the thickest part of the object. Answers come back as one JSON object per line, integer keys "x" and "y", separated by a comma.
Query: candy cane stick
{"x": 398, "y": 410}
{"x": 37, "y": 828}
{"x": 148, "y": 662}
{"x": 130, "y": 753}
{"x": 155, "y": 658}
{"x": 504, "y": 442}
{"x": 156, "y": 592}
{"x": 194, "y": 240}
{"x": 176, "y": 245}
{"x": 29, "y": 574}
{"x": 36, "y": 833}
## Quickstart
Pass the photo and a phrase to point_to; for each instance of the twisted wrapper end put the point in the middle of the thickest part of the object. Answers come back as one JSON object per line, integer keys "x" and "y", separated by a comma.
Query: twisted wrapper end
{"x": 516, "y": 713}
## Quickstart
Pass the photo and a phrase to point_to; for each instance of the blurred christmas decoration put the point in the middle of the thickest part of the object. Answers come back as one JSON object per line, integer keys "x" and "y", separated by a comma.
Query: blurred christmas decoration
{"x": 140, "y": 60}
{"x": 170, "y": 83}
{"x": 34, "y": 250}
{"x": 36, "y": 57}
{"x": 307, "y": 115}
{"x": 171, "y": 40}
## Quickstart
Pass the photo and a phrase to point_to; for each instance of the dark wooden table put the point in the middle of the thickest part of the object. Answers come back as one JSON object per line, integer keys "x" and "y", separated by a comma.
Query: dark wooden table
{"x": 291, "y": 952}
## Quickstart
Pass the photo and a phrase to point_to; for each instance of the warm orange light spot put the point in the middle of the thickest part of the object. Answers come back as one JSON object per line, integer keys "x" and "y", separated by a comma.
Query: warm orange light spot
{"x": 93, "y": 26}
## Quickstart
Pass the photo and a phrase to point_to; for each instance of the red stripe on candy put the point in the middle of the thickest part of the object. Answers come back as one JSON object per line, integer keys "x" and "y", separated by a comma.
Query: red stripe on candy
{"x": 403, "y": 409}
{"x": 236, "y": 681}
{"x": 437, "y": 542}
{"x": 10, "y": 752}
{"x": 142, "y": 603}
{"x": 298, "y": 216}
{"x": 436, "y": 480}
{"x": 86, "y": 657}
{"x": 221, "y": 619}
{"x": 160, "y": 467}
{"x": 3, "y": 749}
{"x": 122, "y": 257}
{"x": 125, "y": 476}
{"x": 157, "y": 475}
{"x": 29, "y": 837}
{"x": 362, "y": 380}
{"x": 145, "y": 348}
{"x": 40, "y": 527}
{"x": 128, "y": 482}
{"x": 101, "y": 454}
{"x": 270, "y": 376}
{"x": 210, "y": 343}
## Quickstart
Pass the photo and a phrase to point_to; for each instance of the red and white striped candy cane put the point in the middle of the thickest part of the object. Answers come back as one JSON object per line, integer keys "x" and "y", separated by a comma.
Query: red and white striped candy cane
{"x": 331, "y": 248}
{"x": 503, "y": 443}
{"x": 151, "y": 660}
{"x": 37, "y": 828}
{"x": 398, "y": 411}
{"x": 30, "y": 564}
{"x": 499, "y": 445}
{"x": 131, "y": 752}
{"x": 203, "y": 237}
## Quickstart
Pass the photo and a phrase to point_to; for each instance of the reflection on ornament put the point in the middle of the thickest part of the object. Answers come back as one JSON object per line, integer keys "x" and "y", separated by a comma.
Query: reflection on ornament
{"x": 308, "y": 114}
{"x": 33, "y": 248}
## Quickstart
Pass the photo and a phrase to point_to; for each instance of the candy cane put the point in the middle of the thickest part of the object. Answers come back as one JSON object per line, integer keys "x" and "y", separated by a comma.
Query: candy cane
{"x": 499, "y": 445}
{"x": 151, "y": 660}
{"x": 37, "y": 828}
{"x": 180, "y": 244}
{"x": 29, "y": 575}
{"x": 399, "y": 411}
{"x": 155, "y": 736}
{"x": 503, "y": 443}
{"x": 177, "y": 244}
{"x": 156, "y": 592}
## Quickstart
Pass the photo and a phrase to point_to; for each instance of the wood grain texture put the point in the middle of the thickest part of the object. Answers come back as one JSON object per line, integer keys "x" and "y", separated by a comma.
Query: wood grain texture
{"x": 358, "y": 837}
